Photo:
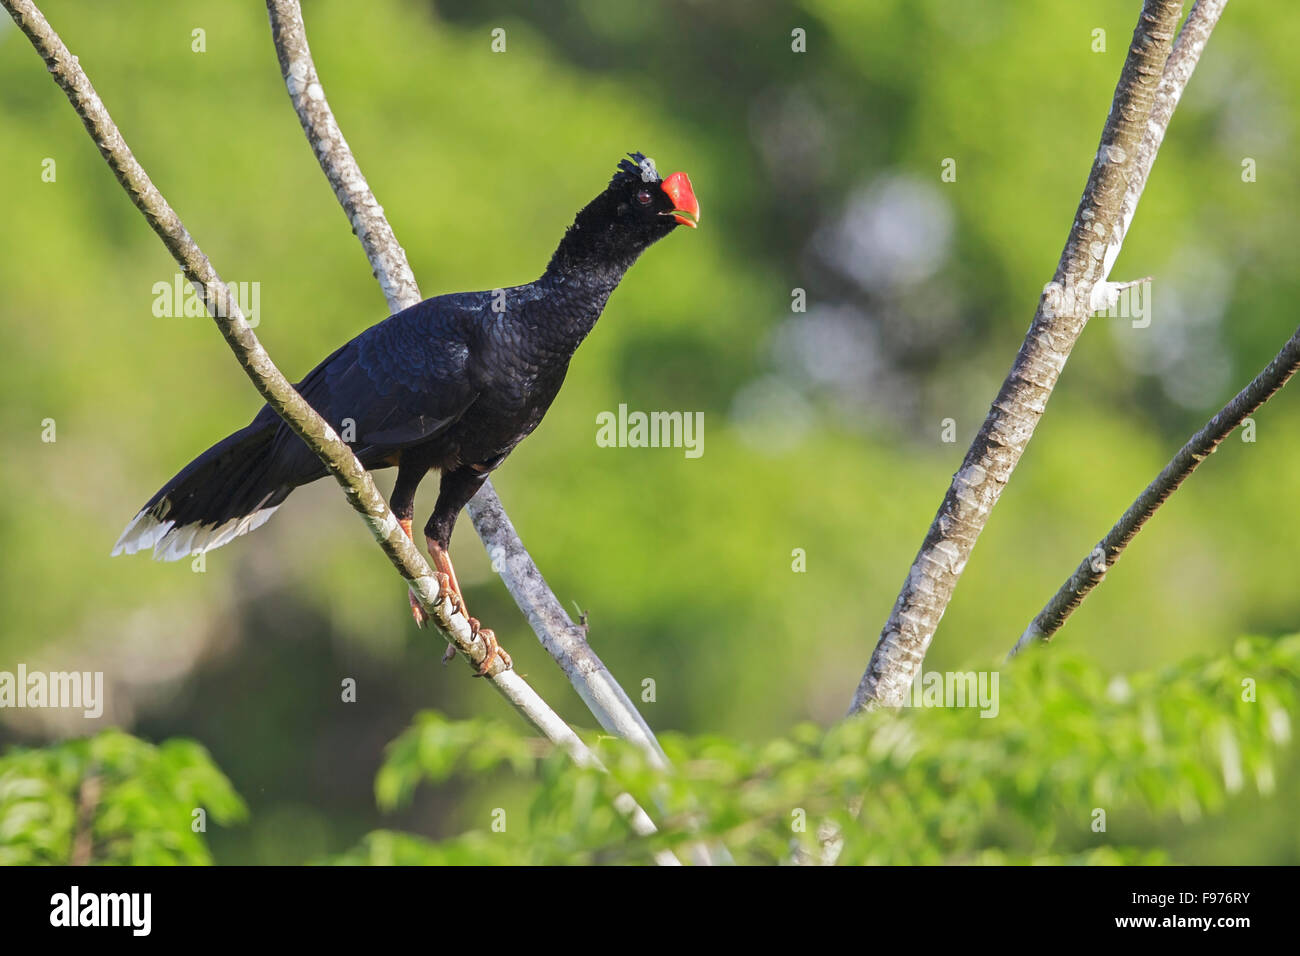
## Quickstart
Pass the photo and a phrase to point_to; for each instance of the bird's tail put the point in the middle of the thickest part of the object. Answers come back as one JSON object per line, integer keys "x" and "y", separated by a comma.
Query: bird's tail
{"x": 227, "y": 491}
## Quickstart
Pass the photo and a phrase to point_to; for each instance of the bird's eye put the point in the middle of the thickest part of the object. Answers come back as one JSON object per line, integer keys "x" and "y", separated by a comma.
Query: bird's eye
{"x": 644, "y": 197}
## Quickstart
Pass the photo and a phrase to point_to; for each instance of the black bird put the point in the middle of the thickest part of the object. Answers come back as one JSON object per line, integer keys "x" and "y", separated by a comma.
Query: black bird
{"x": 453, "y": 383}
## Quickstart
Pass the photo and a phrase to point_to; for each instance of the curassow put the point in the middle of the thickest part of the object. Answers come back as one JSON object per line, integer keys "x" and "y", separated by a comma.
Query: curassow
{"x": 453, "y": 383}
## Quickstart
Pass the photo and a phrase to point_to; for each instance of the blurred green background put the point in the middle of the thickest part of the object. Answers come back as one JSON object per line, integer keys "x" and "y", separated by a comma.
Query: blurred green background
{"x": 817, "y": 171}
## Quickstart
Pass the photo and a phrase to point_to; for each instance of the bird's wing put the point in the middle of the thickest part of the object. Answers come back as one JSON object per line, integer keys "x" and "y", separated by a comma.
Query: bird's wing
{"x": 399, "y": 383}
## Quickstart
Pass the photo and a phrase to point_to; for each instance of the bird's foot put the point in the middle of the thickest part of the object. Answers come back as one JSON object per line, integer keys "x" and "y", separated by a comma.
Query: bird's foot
{"x": 417, "y": 612}
{"x": 494, "y": 649}
{"x": 448, "y": 591}
{"x": 445, "y": 592}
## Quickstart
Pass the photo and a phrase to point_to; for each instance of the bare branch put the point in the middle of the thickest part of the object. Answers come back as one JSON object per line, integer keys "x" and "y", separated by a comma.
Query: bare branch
{"x": 562, "y": 639}
{"x": 432, "y": 593}
{"x": 387, "y": 257}
{"x": 1092, "y": 570}
{"x": 1178, "y": 71}
{"x": 1174, "y": 78}
{"x": 1078, "y": 288}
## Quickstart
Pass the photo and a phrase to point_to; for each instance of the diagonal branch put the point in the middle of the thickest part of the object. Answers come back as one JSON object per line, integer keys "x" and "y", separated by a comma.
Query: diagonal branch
{"x": 1178, "y": 71}
{"x": 1175, "y": 76}
{"x": 1078, "y": 288}
{"x": 1092, "y": 570}
{"x": 356, "y": 482}
{"x": 563, "y": 639}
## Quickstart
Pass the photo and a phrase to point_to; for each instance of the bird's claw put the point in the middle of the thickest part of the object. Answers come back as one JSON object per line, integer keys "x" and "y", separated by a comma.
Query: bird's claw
{"x": 494, "y": 649}
{"x": 417, "y": 612}
{"x": 447, "y": 593}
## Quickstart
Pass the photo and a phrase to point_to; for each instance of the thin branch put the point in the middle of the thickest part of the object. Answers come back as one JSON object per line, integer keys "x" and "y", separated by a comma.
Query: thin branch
{"x": 1175, "y": 76}
{"x": 1092, "y": 570}
{"x": 433, "y": 594}
{"x": 562, "y": 638}
{"x": 387, "y": 257}
{"x": 1078, "y": 288}
{"x": 1178, "y": 71}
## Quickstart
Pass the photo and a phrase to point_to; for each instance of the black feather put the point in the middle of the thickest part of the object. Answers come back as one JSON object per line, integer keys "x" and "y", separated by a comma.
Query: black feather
{"x": 453, "y": 383}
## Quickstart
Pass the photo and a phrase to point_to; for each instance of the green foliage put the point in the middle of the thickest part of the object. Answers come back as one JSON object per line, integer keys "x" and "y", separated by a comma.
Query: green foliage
{"x": 925, "y": 786}
{"x": 435, "y": 748}
{"x": 113, "y": 797}
{"x": 387, "y": 848}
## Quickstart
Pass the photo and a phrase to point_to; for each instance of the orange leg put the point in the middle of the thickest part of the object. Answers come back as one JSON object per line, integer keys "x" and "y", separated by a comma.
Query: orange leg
{"x": 442, "y": 562}
{"x": 417, "y": 612}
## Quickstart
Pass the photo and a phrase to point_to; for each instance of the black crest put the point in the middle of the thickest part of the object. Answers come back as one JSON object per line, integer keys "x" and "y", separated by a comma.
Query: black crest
{"x": 639, "y": 167}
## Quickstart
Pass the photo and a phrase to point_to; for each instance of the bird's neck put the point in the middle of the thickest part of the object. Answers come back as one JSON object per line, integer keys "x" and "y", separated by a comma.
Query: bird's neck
{"x": 585, "y": 270}
{"x": 595, "y": 276}
{"x": 593, "y": 251}
{"x": 575, "y": 299}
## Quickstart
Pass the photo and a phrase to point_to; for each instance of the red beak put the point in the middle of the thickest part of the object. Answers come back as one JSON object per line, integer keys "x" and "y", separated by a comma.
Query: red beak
{"x": 686, "y": 208}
